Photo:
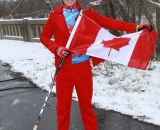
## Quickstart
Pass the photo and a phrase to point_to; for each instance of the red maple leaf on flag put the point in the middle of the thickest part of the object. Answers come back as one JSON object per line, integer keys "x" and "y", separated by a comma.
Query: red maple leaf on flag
{"x": 116, "y": 43}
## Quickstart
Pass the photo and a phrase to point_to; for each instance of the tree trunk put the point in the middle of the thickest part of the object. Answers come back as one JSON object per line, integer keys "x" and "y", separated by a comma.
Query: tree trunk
{"x": 158, "y": 29}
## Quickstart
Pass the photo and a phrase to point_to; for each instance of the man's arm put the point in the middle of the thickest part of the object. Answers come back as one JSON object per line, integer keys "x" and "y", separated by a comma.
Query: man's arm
{"x": 46, "y": 34}
{"x": 110, "y": 23}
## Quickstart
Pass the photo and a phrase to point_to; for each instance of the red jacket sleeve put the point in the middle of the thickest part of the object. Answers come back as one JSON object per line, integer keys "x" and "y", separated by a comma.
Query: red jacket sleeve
{"x": 47, "y": 33}
{"x": 111, "y": 23}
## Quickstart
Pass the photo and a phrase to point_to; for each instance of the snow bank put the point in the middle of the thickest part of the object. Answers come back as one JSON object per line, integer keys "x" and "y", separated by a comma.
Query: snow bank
{"x": 116, "y": 87}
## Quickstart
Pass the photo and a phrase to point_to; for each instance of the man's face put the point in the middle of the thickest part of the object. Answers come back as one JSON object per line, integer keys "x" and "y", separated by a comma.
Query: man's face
{"x": 69, "y": 2}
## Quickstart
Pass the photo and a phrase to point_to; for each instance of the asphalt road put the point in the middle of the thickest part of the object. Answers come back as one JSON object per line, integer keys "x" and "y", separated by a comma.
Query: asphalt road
{"x": 21, "y": 100}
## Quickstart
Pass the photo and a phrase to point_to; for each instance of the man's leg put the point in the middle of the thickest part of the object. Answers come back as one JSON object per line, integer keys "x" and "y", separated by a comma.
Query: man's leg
{"x": 84, "y": 90}
{"x": 64, "y": 88}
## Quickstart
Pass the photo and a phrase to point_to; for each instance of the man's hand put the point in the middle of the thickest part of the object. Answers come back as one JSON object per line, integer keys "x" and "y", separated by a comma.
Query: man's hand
{"x": 62, "y": 52}
{"x": 143, "y": 26}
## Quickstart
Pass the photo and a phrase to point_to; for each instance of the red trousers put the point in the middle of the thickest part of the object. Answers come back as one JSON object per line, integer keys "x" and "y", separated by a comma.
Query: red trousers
{"x": 80, "y": 76}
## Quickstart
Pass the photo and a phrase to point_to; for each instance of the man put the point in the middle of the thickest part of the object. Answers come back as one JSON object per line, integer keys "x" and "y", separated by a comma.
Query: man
{"x": 76, "y": 69}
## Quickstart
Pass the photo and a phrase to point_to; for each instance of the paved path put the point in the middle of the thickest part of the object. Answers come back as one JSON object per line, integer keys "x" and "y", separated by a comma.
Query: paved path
{"x": 20, "y": 103}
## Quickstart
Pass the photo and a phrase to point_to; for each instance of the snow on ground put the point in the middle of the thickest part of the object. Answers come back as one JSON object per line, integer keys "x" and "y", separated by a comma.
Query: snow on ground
{"x": 129, "y": 91}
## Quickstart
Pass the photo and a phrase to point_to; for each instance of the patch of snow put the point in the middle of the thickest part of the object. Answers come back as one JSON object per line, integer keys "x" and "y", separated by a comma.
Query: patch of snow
{"x": 116, "y": 87}
{"x": 15, "y": 102}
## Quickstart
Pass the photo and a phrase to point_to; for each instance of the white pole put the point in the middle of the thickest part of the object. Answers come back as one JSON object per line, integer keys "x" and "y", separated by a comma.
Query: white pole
{"x": 74, "y": 30}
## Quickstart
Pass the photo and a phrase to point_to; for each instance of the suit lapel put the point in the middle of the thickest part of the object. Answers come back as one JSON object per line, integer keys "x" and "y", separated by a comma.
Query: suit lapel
{"x": 60, "y": 21}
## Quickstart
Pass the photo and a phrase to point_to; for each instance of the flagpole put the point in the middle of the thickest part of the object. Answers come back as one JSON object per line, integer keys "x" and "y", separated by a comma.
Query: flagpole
{"x": 74, "y": 30}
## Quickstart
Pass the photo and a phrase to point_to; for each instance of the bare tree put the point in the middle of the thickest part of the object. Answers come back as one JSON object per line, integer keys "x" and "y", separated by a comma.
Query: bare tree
{"x": 135, "y": 11}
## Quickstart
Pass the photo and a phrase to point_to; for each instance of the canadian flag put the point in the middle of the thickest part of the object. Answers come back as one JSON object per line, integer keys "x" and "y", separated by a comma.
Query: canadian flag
{"x": 134, "y": 50}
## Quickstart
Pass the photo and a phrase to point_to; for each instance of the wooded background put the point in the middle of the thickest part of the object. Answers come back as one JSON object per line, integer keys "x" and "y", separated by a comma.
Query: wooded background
{"x": 137, "y": 11}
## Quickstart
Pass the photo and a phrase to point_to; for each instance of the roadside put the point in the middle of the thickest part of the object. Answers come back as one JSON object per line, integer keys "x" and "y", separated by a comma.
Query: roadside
{"x": 20, "y": 107}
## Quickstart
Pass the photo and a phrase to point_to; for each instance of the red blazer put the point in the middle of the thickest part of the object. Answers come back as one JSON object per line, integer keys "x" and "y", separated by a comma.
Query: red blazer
{"x": 57, "y": 27}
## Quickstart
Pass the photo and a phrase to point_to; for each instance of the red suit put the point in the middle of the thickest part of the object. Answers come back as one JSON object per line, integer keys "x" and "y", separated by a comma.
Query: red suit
{"x": 78, "y": 75}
